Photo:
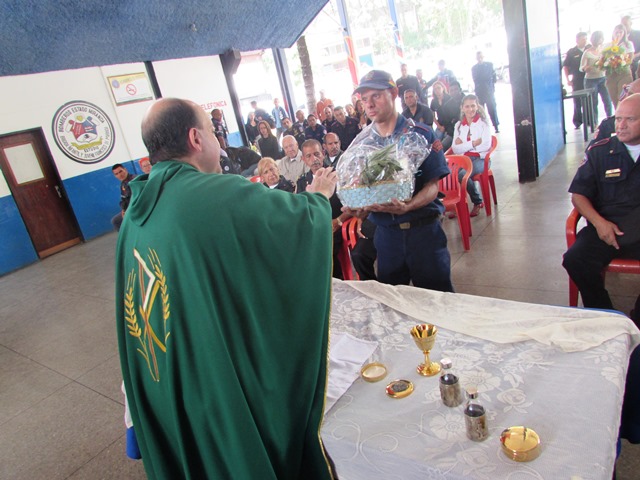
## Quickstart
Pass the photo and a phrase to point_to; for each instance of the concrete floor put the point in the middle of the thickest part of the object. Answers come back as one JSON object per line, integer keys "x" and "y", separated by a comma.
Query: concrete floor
{"x": 61, "y": 410}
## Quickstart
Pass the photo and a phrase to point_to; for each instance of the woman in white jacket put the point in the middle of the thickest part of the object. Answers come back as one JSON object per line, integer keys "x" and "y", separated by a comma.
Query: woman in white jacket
{"x": 472, "y": 137}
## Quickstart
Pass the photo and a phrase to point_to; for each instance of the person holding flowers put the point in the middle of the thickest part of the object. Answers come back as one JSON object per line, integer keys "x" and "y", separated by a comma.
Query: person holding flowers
{"x": 616, "y": 62}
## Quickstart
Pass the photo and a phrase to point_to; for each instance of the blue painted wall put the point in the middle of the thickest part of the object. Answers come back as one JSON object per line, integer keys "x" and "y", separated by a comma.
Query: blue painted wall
{"x": 546, "y": 89}
{"x": 95, "y": 197}
{"x": 16, "y": 249}
{"x": 547, "y": 103}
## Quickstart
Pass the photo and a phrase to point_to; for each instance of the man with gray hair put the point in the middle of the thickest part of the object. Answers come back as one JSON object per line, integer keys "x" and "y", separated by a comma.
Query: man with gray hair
{"x": 291, "y": 165}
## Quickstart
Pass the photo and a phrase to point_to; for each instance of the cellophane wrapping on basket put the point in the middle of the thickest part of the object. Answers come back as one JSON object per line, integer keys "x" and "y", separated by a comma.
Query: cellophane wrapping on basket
{"x": 376, "y": 169}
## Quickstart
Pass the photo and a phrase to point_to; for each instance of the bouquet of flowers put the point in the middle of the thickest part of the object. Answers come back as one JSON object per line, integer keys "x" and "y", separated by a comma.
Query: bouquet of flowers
{"x": 376, "y": 169}
{"x": 613, "y": 59}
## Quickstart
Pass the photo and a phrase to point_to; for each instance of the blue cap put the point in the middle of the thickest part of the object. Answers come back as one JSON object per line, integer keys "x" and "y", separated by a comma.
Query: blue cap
{"x": 376, "y": 80}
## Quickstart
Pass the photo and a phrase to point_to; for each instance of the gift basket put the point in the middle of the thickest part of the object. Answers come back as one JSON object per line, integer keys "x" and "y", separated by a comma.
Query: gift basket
{"x": 376, "y": 169}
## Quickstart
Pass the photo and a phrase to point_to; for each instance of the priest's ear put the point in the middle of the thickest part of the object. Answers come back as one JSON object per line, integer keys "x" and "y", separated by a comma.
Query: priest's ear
{"x": 194, "y": 139}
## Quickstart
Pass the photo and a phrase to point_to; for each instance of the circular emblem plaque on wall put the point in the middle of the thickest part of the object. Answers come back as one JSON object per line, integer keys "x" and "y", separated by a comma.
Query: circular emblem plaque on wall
{"x": 83, "y": 132}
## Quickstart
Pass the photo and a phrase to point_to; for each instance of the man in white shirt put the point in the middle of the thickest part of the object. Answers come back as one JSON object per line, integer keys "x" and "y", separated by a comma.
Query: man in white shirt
{"x": 291, "y": 165}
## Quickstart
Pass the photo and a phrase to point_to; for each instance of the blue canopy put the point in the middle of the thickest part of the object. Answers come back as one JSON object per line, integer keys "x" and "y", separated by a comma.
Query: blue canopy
{"x": 45, "y": 35}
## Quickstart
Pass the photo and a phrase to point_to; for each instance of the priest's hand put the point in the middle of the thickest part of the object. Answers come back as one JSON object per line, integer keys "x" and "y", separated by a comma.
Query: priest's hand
{"x": 324, "y": 182}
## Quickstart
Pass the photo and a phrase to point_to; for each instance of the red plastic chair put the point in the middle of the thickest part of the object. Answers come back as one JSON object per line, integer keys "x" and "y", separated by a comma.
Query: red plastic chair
{"x": 455, "y": 194}
{"x": 256, "y": 179}
{"x": 617, "y": 265}
{"x": 349, "y": 240}
{"x": 486, "y": 180}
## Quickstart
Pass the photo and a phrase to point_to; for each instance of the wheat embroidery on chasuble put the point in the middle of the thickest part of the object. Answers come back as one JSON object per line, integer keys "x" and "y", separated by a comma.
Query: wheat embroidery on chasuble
{"x": 151, "y": 332}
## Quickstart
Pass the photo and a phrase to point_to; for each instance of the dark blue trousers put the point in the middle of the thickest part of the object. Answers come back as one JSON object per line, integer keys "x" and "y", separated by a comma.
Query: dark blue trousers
{"x": 585, "y": 260}
{"x": 418, "y": 255}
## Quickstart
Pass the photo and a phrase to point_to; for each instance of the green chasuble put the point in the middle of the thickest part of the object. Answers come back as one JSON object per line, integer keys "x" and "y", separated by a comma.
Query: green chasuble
{"x": 222, "y": 303}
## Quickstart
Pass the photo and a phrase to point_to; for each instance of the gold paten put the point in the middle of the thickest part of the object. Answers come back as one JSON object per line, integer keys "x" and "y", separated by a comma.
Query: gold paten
{"x": 520, "y": 444}
{"x": 399, "y": 388}
{"x": 424, "y": 336}
{"x": 373, "y": 372}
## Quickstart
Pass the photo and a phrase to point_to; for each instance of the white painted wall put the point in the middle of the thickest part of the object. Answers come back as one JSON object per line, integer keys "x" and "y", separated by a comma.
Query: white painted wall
{"x": 200, "y": 79}
{"x": 31, "y": 101}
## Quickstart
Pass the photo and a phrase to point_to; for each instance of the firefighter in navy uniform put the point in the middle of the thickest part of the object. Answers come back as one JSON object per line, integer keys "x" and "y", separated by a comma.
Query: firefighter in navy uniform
{"x": 606, "y": 191}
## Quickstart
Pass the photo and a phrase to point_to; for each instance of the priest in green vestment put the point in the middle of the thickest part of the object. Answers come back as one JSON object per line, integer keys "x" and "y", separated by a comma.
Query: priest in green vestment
{"x": 222, "y": 303}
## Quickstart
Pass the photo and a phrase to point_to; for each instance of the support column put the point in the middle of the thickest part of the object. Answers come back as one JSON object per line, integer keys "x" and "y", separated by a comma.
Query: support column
{"x": 520, "y": 78}
{"x": 151, "y": 74}
{"x": 286, "y": 87}
{"x": 230, "y": 62}
{"x": 536, "y": 84}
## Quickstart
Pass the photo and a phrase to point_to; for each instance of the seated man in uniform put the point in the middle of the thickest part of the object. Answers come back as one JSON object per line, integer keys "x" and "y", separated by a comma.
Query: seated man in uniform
{"x": 315, "y": 130}
{"x": 606, "y": 191}
{"x": 332, "y": 149}
{"x": 125, "y": 177}
{"x": 295, "y": 130}
{"x": 346, "y": 128}
{"x": 314, "y": 158}
{"x": 222, "y": 383}
{"x": 415, "y": 110}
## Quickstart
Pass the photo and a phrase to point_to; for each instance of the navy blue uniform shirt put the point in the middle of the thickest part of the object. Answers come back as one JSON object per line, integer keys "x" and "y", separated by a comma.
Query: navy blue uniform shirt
{"x": 609, "y": 178}
{"x": 433, "y": 167}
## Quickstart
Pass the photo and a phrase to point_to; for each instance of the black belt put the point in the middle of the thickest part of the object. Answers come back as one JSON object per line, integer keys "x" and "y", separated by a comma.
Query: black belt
{"x": 416, "y": 223}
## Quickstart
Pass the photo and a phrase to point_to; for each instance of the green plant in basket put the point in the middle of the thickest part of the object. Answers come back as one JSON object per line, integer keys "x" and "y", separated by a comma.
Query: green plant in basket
{"x": 380, "y": 166}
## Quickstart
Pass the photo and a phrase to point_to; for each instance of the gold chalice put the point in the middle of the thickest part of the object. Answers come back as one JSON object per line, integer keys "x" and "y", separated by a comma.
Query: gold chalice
{"x": 425, "y": 336}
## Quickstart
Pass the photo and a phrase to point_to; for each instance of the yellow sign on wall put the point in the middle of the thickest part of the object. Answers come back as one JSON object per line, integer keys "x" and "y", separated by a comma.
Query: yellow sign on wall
{"x": 130, "y": 88}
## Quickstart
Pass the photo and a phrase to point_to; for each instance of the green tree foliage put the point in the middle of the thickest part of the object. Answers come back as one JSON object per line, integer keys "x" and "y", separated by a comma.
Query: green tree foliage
{"x": 448, "y": 23}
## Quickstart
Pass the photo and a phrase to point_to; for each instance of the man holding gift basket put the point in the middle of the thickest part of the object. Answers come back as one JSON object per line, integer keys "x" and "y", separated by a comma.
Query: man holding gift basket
{"x": 390, "y": 173}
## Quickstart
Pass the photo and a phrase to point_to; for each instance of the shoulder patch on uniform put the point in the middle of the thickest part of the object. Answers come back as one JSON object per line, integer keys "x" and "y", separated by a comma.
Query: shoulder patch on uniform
{"x": 436, "y": 145}
{"x": 604, "y": 141}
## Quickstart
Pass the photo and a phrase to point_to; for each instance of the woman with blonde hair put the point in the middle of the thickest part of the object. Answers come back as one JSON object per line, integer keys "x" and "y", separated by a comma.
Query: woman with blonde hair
{"x": 472, "y": 137}
{"x": 351, "y": 111}
{"x": 363, "y": 121}
{"x": 270, "y": 173}
{"x": 440, "y": 96}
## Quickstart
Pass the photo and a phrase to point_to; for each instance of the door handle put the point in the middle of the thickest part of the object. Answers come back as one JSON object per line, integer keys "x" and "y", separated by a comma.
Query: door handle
{"x": 58, "y": 190}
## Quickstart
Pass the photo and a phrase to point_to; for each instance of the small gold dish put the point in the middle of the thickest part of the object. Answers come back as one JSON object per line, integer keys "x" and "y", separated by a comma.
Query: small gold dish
{"x": 520, "y": 444}
{"x": 399, "y": 388}
{"x": 373, "y": 372}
